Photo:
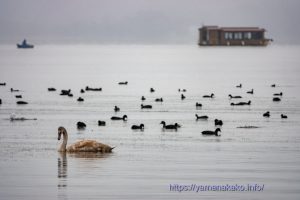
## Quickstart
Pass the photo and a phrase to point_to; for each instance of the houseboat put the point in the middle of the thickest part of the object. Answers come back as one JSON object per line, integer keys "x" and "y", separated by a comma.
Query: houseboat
{"x": 232, "y": 36}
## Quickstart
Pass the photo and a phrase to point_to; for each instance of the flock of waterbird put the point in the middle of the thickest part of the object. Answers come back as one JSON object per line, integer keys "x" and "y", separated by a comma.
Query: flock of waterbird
{"x": 175, "y": 126}
{"x": 93, "y": 146}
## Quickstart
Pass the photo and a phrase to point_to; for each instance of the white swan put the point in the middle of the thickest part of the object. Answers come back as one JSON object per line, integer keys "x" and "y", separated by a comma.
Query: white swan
{"x": 81, "y": 146}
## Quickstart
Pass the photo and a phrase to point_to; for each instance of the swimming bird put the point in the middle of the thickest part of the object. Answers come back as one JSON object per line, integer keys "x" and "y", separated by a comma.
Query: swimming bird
{"x": 182, "y": 97}
{"x": 101, "y": 123}
{"x": 241, "y": 103}
{"x": 70, "y": 95}
{"x": 159, "y": 100}
{"x": 239, "y": 86}
{"x": 80, "y": 99}
{"x": 51, "y": 89}
{"x": 13, "y": 90}
{"x": 251, "y": 91}
{"x": 0, "y": 101}
{"x": 218, "y": 122}
{"x": 170, "y": 126}
{"x": 201, "y": 117}
{"x": 116, "y": 109}
{"x": 135, "y": 127}
{"x": 283, "y": 116}
{"x": 209, "y": 96}
{"x": 124, "y": 118}
{"x": 146, "y": 106}
{"x": 266, "y": 114}
{"x": 87, "y": 88}
{"x": 234, "y": 97}
{"x": 181, "y": 90}
{"x": 81, "y": 146}
{"x": 123, "y": 83}
{"x": 65, "y": 92}
{"x": 276, "y": 99}
{"x": 212, "y": 132}
{"x": 198, "y": 104}
{"x": 18, "y": 96}
{"x": 82, "y": 91}
{"x": 81, "y": 125}
{"x": 3, "y": 84}
{"x": 278, "y": 94}
{"x": 22, "y": 102}
{"x": 152, "y": 90}
{"x": 273, "y": 85}
{"x": 143, "y": 98}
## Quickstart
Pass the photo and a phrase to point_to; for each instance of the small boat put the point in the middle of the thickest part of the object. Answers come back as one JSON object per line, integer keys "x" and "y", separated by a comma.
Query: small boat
{"x": 24, "y": 45}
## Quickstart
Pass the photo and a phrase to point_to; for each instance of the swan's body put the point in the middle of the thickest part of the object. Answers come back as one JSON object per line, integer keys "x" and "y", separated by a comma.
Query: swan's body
{"x": 81, "y": 146}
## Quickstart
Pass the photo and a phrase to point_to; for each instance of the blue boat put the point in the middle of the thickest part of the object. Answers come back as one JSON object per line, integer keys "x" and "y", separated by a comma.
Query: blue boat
{"x": 24, "y": 45}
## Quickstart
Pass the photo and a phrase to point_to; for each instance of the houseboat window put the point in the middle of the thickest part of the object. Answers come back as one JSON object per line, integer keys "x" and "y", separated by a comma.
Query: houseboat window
{"x": 238, "y": 36}
{"x": 230, "y": 36}
{"x": 247, "y": 35}
{"x": 226, "y": 35}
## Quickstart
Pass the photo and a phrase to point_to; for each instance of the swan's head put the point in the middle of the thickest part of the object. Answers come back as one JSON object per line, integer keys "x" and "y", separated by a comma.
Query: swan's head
{"x": 61, "y": 130}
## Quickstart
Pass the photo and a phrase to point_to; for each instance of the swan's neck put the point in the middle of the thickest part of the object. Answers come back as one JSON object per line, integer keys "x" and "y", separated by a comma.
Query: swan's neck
{"x": 63, "y": 146}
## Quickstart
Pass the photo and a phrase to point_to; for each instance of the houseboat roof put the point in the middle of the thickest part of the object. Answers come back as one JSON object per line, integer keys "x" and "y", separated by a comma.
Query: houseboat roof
{"x": 233, "y": 29}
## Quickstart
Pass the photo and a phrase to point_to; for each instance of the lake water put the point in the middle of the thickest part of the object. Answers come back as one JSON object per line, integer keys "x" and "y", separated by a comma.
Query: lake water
{"x": 145, "y": 165}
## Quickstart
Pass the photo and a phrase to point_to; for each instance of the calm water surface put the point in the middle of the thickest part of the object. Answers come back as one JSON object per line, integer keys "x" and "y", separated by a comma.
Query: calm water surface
{"x": 144, "y": 164}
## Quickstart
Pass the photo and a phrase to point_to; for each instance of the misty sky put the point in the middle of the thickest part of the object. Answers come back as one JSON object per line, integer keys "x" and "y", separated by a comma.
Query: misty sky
{"x": 141, "y": 21}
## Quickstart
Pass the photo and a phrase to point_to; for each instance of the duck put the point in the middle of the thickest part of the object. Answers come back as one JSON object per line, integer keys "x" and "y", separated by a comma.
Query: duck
{"x": 123, "y": 83}
{"x": 13, "y": 90}
{"x": 239, "y": 86}
{"x": 278, "y": 94}
{"x": 209, "y": 96}
{"x": 3, "y": 84}
{"x": 81, "y": 125}
{"x": 212, "y": 132}
{"x": 266, "y": 114}
{"x": 80, "y": 99}
{"x": 273, "y": 85}
{"x": 170, "y": 126}
{"x": 182, "y": 97}
{"x": 82, "y": 91}
{"x": 81, "y": 146}
{"x": 276, "y": 99}
{"x": 251, "y": 91}
{"x": 70, "y": 95}
{"x": 87, "y": 88}
{"x": 51, "y": 89}
{"x": 101, "y": 123}
{"x": 116, "y": 109}
{"x": 135, "y": 127}
{"x": 201, "y": 117}
{"x": 234, "y": 97}
{"x": 152, "y": 90}
{"x": 181, "y": 90}
{"x": 283, "y": 116}
{"x": 18, "y": 96}
{"x": 124, "y": 118}
{"x": 159, "y": 100}
{"x": 0, "y": 101}
{"x": 218, "y": 122}
{"x": 143, "y": 98}
{"x": 146, "y": 106}
{"x": 198, "y": 104}
{"x": 22, "y": 102}
{"x": 241, "y": 103}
